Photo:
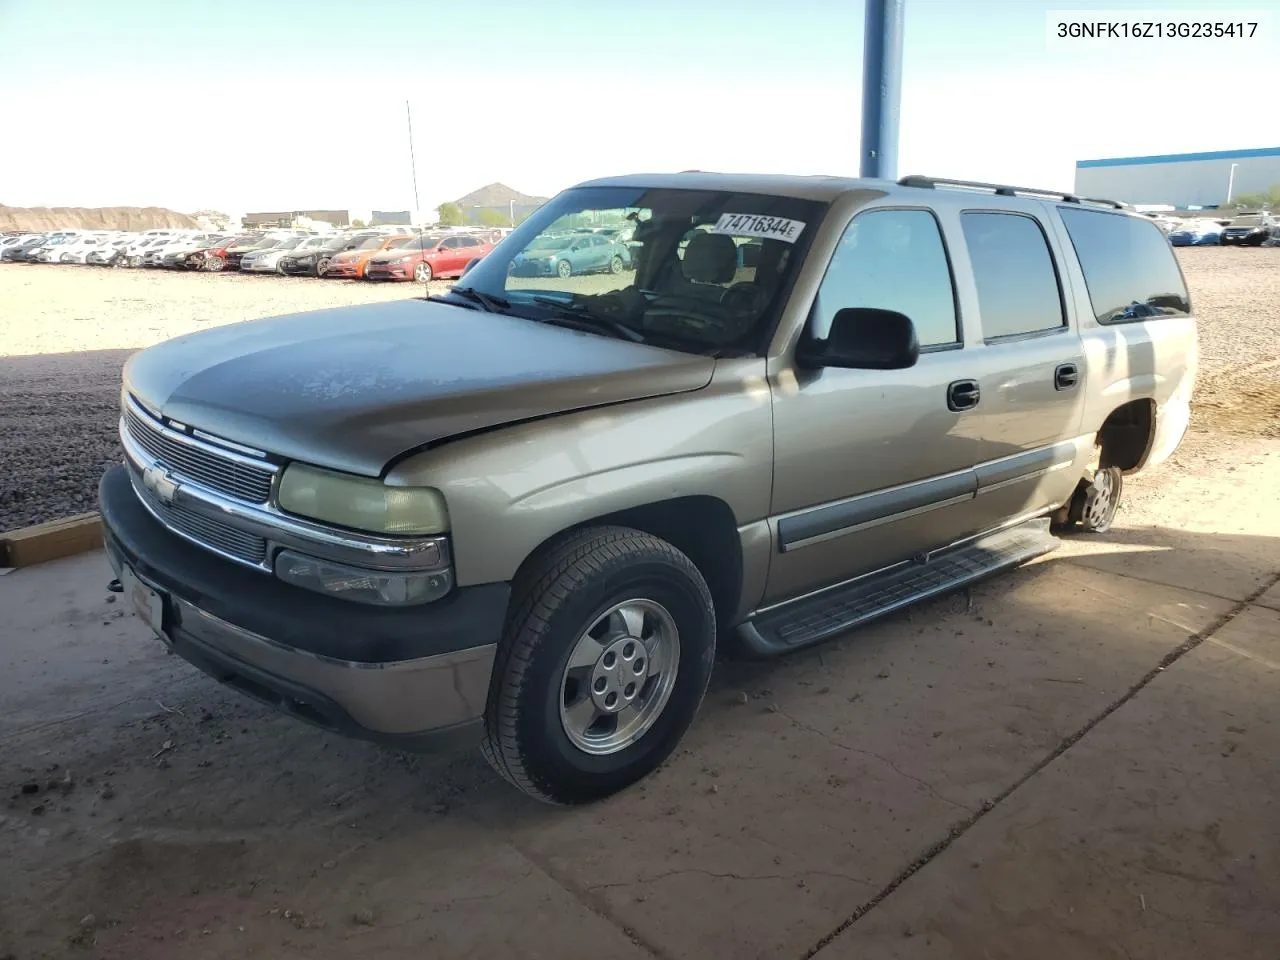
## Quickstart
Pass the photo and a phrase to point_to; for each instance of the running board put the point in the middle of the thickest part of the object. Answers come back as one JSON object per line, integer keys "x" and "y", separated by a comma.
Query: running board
{"x": 820, "y": 616}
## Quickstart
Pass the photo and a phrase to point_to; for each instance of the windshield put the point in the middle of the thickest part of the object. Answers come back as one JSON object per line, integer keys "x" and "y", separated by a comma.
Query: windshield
{"x": 705, "y": 270}
{"x": 1249, "y": 220}
{"x": 402, "y": 242}
{"x": 372, "y": 243}
{"x": 312, "y": 243}
{"x": 288, "y": 243}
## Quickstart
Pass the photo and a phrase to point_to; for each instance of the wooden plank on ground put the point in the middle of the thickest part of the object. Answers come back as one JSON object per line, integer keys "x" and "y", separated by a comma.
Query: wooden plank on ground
{"x": 50, "y": 541}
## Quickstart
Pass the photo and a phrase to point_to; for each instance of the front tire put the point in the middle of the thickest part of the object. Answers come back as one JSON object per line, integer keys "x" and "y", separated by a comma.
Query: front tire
{"x": 321, "y": 267}
{"x": 615, "y": 265}
{"x": 564, "y": 269}
{"x": 422, "y": 273}
{"x": 604, "y": 661}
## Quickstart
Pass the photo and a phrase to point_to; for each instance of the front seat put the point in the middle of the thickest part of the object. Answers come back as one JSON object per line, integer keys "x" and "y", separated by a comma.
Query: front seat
{"x": 710, "y": 263}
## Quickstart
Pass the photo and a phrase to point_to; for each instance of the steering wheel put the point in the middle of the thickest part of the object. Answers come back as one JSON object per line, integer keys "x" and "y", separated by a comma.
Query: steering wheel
{"x": 745, "y": 297}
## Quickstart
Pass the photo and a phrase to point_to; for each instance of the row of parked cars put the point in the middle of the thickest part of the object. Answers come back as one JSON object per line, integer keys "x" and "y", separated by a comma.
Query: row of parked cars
{"x": 377, "y": 253}
{"x": 1253, "y": 229}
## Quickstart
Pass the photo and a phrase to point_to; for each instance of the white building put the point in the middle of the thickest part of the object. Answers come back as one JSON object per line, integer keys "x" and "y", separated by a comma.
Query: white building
{"x": 1180, "y": 179}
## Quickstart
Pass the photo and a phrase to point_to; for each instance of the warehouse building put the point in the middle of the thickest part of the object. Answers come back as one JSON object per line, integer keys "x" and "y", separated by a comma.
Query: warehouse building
{"x": 1181, "y": 179}
{"x": 286, "y": 218}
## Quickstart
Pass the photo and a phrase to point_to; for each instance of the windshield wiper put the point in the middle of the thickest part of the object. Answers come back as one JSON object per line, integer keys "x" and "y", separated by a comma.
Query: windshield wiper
{"x": 486, "y": 301}
{"x": 574, "y": 312}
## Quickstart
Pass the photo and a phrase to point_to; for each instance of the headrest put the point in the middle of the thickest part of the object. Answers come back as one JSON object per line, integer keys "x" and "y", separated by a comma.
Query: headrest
{"x": 710, "y": 258}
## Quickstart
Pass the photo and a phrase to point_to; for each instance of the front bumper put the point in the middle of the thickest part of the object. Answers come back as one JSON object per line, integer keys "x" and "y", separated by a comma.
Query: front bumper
{"x": 388, "y": 271}
{"x": 298, "y": 267}
{"x": 415, "y": 678}
{"x": 343, "y": 269}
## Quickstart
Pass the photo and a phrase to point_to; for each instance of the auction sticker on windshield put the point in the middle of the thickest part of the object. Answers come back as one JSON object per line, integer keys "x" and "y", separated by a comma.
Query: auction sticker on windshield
{"x": 754, "y": 225}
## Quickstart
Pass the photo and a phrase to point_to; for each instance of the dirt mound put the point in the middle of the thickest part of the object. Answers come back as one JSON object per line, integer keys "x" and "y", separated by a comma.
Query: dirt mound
{"x": 498, "y": 195}
{"x": 39, "y": 219}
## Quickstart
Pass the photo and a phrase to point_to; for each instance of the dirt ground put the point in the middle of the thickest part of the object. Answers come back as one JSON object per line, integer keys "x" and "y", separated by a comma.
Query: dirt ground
{"x": 1073, "y": 760}
{"x": 66, "y": 330}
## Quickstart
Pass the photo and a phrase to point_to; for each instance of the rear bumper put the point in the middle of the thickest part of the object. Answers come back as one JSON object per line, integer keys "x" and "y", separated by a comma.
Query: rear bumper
{"x": 413, "y": 678}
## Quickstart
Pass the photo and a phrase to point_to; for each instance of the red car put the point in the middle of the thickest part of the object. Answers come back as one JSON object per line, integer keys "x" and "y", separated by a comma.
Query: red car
{"x": 429, "y": 257}
{"x": 214, "y": 259}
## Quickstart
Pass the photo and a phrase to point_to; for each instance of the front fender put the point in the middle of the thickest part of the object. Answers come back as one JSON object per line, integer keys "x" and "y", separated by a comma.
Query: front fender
{"x": 511, "y": 489}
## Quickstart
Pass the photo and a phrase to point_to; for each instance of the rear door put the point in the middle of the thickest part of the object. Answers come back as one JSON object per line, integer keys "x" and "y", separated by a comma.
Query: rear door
{"x": 473, "y": 248}
{"x": 1029, "y": 367}
{"x": 449, "y": 260}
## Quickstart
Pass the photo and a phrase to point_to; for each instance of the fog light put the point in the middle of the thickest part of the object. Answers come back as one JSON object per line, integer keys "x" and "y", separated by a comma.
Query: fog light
{"x": 378, "y": 587}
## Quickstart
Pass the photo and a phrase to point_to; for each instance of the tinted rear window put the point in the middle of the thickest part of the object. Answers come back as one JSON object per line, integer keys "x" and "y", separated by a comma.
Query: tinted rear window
{"x": 1013, "y": 269}
{"x": 1129, "y": 268}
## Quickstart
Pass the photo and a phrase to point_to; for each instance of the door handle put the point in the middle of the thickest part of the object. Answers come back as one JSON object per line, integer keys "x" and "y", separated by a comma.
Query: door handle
{"x": 963, "y": 395}
{"x": 1066, "y": 376}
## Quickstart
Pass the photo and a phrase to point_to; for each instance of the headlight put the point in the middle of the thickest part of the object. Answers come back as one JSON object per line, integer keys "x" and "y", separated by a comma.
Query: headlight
{"x": 361, "y": 503}
{"x": 377, "y": 587}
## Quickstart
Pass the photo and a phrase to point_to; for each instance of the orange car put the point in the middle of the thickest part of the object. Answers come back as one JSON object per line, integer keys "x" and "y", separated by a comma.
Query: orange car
{"x": 351, "y": 263}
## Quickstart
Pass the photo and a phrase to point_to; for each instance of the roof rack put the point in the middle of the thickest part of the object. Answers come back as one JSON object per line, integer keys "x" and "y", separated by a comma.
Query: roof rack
{"x": 1003, "y": 190}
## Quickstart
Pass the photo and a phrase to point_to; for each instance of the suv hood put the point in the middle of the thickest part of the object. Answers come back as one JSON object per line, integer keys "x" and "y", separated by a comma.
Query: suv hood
{"x": 353, "y": 387}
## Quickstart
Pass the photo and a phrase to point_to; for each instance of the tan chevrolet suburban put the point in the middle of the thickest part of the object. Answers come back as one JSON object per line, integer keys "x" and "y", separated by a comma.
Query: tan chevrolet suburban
{"x": 532, "y": 508}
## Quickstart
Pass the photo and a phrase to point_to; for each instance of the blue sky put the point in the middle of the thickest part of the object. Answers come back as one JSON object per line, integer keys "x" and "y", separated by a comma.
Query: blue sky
{"x": 292, "y": 104}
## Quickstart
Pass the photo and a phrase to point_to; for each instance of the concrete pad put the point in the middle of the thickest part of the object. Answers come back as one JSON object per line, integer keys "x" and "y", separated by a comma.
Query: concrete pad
{"x": 69, "y": 650}
{"x": 436, "y": 892}
{"x": 1271, "y": 598}
{"x": 1215, "y": 534}
{"x": 1157, "y": 835}
{"x": 783, "y": 814}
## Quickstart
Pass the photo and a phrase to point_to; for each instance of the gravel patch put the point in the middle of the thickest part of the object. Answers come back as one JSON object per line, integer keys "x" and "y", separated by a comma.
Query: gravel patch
{"x": 66, "y": 331}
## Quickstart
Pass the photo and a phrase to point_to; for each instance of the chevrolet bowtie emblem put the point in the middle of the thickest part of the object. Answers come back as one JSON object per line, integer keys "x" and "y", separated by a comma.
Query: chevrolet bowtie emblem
{"x": 158, "y": 481}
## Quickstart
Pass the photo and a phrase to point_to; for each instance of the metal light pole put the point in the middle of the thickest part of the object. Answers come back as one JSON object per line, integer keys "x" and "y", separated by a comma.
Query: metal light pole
{"x": 1231, "y": 181}
{"x": 881, "y": 88}
{"x": 412, "y": 163}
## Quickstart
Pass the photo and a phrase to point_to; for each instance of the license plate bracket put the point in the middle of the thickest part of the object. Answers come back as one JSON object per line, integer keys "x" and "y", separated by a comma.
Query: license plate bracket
{"x": 147, "y": 602}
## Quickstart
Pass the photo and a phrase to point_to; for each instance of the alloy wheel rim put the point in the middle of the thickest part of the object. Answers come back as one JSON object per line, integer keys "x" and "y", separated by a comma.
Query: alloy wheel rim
{"x": 1102, "y": 504}
{"x": 619, "y": 676}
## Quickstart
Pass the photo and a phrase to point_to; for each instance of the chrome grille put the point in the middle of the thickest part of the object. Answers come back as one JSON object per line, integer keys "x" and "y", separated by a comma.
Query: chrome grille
{"x": 198, "y": 463}
{"x": 208, "y": 532}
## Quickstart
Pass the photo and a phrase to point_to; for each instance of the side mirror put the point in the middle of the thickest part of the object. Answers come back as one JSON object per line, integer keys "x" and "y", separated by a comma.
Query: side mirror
{"x": 863, "y": 338}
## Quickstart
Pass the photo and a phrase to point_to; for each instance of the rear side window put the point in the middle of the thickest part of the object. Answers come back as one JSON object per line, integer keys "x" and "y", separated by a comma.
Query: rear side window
{"x": 1018, "y": 291}
{"x": 892, "y": 260}
{"x": 1128, "y": 265}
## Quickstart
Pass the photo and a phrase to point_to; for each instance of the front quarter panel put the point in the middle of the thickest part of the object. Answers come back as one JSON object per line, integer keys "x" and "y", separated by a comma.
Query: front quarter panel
{"x": 509, "y": 490}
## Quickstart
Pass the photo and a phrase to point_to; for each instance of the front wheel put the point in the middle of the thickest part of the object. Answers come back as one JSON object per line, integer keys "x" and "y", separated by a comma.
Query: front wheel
{"x": 215, "y": 264}
{"x": 422, "y": 273}
{"x": 564, "y": 269}
{"x": 321, "y": 266}
{"x": 604, "y": 661}
{"x": 615, "y": 265}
